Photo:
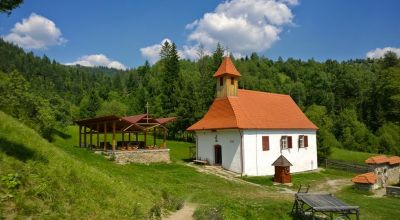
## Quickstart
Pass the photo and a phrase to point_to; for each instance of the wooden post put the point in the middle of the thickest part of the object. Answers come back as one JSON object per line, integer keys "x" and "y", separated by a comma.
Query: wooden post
{"x": 91, "y": 138}
{"x": 165, "y": 138}
{"x": 154, "y": 136}
{"x": 80, "y": 136}
{"x": 137, "y": 138}
{"x": 113, "y": 136}
{"x": 123, "y": 136}
{"x": 105, "y": 136}
{"x": 84, "y": 136}
{"x": 145, "y": 138}
{"x": 98, "y": 135}
{"x": 129, "y": 136}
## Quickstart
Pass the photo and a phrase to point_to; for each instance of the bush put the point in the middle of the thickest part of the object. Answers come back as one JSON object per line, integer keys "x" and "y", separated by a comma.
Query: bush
{"x": 171, "y": 203}
{"x": 155, "y": 212}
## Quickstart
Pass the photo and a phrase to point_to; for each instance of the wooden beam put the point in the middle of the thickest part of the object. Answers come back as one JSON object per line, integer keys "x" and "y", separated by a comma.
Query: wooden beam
{"x": 91, "y": 137}
{"x": 105, "y": 136}
{"x": 165, "y": 138}
{"x": 98, "y": 135}
{"x": 145, "y": 139}
{"x": 80, "y": 136}
{"x": 154, "y": 136}
{"x": 113, "y": 136}
{"x": 84, "y": 136}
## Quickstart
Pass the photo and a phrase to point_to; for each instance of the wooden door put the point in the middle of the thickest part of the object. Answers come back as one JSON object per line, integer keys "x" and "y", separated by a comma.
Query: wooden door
{"x": 217, "y": 155}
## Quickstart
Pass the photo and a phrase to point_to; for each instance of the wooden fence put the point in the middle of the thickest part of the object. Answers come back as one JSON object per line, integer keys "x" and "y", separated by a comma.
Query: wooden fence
{"x": 347, "y": 166}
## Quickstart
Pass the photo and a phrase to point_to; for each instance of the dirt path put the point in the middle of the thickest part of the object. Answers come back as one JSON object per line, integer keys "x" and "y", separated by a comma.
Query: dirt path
{"x": 231, "y": 176}
{"x": 186, "y": 213}
{"x": 331, "y": 186}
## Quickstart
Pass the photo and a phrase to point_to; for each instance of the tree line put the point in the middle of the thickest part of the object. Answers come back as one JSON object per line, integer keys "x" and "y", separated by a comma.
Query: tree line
{"x": 355, "y": 103}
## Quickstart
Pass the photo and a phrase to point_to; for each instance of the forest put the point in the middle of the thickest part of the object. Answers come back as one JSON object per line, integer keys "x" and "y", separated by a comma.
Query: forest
{"x": 355, "y": 103}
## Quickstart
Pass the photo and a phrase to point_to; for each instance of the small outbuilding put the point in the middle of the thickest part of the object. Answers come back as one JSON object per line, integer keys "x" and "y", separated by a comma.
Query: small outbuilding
{"x": 384, "y": 171}
{"x": 366, "y": 181}
{"x": 282, "y": 170}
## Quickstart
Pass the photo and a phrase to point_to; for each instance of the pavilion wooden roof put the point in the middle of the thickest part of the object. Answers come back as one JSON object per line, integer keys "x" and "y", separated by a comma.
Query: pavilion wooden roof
{"x": 131, "y": 123}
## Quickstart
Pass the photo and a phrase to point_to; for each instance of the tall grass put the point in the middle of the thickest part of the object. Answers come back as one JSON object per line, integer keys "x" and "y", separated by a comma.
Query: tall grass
{"x": 350, "y": 156}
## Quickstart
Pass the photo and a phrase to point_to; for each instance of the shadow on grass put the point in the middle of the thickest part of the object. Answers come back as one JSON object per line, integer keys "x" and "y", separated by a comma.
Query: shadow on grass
{"x": 61, "y": 134}
{"x": 58, "y": 133}
{"x": 19, "y": 151}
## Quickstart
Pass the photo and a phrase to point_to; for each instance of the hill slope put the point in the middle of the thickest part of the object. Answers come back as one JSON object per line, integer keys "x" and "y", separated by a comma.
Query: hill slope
{"x": 62, "y": 181}
{"x": 55, "y": 184}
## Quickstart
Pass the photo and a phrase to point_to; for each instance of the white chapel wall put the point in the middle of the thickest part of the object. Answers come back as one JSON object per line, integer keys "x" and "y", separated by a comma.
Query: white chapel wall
{"x": 258, "y": 162}
{"x": 230, "y": 146}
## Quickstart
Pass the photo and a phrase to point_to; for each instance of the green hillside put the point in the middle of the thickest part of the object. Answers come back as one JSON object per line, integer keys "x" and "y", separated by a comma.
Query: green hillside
{"x": 57, "y": 180}
{"x": 55, "y": 184}
{"x": 62, "y": 181}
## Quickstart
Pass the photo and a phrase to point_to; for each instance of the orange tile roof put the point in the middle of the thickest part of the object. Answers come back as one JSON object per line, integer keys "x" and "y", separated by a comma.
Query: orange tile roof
{"x": 377, "y": 159}
{"x": 394, "y": 160}
{"x": 368, "y": 178}
{"x": 254, "y": 110}
{"x": 227, "y": 67}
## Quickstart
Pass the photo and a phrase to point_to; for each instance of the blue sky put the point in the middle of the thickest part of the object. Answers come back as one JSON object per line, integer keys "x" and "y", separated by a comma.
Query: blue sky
{"x": 124, "y": 35}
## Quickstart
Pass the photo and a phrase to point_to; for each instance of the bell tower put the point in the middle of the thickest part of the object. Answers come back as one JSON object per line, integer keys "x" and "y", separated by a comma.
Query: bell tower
{"x": 227, "y": 79}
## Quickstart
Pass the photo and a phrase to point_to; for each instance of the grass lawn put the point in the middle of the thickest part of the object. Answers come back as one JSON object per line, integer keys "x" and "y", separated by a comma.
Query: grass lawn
{"x": 304, "y": 179}
{"x": 59, "y": 180}
{"x": 350, "y": 156}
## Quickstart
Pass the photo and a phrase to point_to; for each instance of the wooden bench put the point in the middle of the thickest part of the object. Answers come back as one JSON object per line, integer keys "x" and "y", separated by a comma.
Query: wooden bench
{"x": 202, "y": 162}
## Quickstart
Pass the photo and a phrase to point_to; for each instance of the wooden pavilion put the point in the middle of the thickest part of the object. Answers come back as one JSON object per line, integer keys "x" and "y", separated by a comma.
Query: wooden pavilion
{"x": 130, "y": 125}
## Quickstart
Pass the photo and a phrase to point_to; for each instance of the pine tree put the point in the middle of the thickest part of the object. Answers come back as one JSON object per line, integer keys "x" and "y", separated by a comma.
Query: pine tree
{"x": 170, "y": 63}
{"x": 217, "y": 56}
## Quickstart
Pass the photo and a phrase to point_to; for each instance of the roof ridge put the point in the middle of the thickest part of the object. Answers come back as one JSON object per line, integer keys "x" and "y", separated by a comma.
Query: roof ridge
{"x": 269, "y": 93}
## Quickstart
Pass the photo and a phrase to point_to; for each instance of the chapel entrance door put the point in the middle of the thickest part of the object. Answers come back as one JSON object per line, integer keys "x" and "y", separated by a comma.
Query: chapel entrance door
{"x": 217, "y": 155}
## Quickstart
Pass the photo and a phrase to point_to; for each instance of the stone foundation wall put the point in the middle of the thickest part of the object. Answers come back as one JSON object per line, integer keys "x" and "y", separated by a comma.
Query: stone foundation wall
{"x": 366, "y": 187}
{"x": 142, "y": 156}
{"x": 393, "y": 190}
{"x": 393, "y": 175}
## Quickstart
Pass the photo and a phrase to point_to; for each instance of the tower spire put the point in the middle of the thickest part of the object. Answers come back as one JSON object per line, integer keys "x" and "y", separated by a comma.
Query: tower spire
{"x": 227, "y": 78}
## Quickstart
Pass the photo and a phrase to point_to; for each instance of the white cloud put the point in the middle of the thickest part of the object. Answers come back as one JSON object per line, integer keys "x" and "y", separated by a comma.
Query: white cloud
{"x": 380, "y": 52}
{"x": 243, "y": 26}
{"x": 152, "y": 53}
{"x": 98, "y": 60}
{"x": 35, "y": 32}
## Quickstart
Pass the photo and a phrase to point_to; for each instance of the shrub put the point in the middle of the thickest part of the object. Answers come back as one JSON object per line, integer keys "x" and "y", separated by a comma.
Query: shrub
{"x": 12, "y": 180}
{"x": 155, "y": 212}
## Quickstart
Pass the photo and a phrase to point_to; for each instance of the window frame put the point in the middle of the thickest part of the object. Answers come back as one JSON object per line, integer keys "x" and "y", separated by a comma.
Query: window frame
{"x": 284, "y": 142}
{"x": 303, "y": 141}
